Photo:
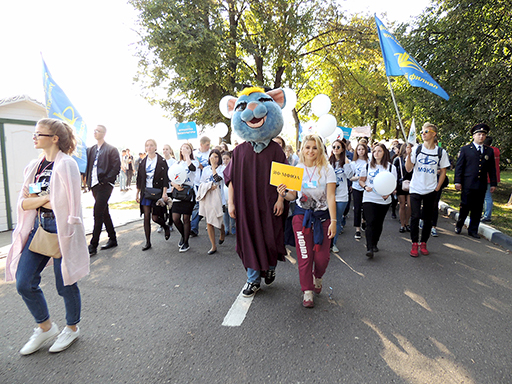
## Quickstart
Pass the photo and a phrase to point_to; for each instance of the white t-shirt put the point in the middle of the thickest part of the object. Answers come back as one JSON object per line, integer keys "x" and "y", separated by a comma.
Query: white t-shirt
{"x": 191, "y": 176}
{"x": 374, "y": 197}
{"x": 342, "y": 175}
{"x": 424, "y": 178}
{"x": 313, "y": 194}
{"x": 357, "y": 167}
{"x": 150, "y": 171}
{"x": 202, "y": 158}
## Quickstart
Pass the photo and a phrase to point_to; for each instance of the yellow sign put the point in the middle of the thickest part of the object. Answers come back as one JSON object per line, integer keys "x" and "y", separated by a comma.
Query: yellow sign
{"x": 287, "y": 175}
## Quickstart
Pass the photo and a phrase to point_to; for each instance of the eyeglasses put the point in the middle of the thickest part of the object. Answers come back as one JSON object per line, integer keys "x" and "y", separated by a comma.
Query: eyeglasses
{"x": 336, "y": 147}
{"x": 37, "y": 135}
{"x": 98, "y": 131}
{"x": 426, "y": 131}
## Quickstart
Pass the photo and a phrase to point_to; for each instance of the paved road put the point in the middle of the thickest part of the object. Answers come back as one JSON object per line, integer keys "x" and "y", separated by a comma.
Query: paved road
{"x": 156, "y": 317}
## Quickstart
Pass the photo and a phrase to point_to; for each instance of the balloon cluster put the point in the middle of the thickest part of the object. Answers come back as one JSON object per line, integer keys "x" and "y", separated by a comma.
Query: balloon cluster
{"x": 326, "y": 124}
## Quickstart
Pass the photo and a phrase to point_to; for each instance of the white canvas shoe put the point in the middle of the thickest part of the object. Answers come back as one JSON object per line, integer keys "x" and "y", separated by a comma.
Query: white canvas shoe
{"x": 65, "y": 339}
{"x": 38, "y": 338}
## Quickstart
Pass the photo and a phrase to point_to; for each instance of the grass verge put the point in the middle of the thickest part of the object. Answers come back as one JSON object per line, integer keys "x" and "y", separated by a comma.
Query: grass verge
{"x": 501, "y": 213}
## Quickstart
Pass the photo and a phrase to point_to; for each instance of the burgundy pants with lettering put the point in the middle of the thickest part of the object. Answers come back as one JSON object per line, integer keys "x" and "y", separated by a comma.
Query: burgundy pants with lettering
{"x": 310, "y": 262}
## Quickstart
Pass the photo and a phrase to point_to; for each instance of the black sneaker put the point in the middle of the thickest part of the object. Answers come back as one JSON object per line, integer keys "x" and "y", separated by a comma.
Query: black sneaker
{"x": 270, "y": 276}
{"x": 182, "y": 240}
{"x": 184, "y": 248}
{"x": 250, "y": 289}
{"x": 363, "y": 226}
{"x": 357, "y": 235}
{"x": 92, "y": 250}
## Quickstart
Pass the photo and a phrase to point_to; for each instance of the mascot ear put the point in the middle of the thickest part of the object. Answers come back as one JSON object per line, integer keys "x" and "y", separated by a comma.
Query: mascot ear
{"x": 278, "y": 96}
{"x": 231, "y": 105}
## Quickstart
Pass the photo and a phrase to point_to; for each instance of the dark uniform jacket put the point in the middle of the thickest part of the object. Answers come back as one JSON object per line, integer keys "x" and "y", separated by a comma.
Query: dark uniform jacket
{"x": 109, "y": 164}
{"x": 473, "y": 167}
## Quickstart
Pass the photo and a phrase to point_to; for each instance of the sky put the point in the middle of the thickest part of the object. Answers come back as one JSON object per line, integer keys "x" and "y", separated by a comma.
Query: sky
{"x": 89, "y": 48}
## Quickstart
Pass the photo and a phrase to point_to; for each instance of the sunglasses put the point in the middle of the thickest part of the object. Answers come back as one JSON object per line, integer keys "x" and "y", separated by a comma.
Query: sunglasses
{"x": 37, "y": 135}
{"x": 426, "y": 131}
{"x": 336, "y": 147}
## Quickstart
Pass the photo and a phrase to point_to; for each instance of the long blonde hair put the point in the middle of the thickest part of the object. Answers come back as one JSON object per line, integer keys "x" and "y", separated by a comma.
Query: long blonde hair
{"x": 321, "y": 160}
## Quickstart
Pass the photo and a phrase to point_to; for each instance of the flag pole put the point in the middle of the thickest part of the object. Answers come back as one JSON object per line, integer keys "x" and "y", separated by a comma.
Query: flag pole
{"x": 396, "y": 108}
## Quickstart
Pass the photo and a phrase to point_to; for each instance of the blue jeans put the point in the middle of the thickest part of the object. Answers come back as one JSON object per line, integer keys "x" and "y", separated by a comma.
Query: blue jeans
{"x": 229, "y": 223}
{"x": 28, "y": 278}
{"x": 194, "y": 223}
{"x": 122, "y": 180}
{"x": 340, "y": 209}
{"x": 488, "y": 203}
{"x": 254, "y": 276}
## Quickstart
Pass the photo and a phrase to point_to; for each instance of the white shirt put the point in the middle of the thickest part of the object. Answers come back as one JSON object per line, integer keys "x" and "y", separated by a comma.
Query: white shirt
{"x": 202, "y": 158}
{"x": 373, "y": 196}
{"x": 357, "y": 168}
{"x": 342, "y": 175}
{"x": 150, "y": 171}
{"x": 313, "y": 194}
{"x": 424, "y": 178}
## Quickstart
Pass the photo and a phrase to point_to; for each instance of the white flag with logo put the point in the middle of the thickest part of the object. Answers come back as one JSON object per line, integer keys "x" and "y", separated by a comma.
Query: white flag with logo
{"x": 412, "y": 134}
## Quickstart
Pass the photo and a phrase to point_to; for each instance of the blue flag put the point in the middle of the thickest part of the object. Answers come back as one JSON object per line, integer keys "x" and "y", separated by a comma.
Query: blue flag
{"x": 59, "y": 107}
{"x": 399, "y": 63}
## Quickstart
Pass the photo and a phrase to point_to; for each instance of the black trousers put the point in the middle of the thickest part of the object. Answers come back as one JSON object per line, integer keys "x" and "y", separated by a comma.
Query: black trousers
{"x": 471, "y": 200}
{"x": 429, "y": 205}
{"x": 358, "y": 205}
{"x": 101, "y": 193}
{"x": 374, "y": 215}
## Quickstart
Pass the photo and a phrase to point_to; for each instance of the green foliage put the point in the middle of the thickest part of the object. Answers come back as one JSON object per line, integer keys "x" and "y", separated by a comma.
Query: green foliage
{"x": 194, "y": 52}
{"x": 466, "y": 46}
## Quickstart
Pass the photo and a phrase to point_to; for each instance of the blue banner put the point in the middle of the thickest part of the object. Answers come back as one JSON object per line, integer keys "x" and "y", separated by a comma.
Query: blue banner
{"x": 346, "y": 132}
{"x": 399, "y": 63}
{"x": 186, "y": 131}
{"x": 59, "y": 107}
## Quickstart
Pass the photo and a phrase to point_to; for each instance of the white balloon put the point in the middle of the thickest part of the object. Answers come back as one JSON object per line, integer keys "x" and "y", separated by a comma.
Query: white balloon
{"x": 336, "y": 135}
{"x": 320, "y": 105}
{"x": 178, "y": 173}
{"x": 223, "y": 106}
{"x": 221, "y": 129}
{"x": 291, "y": 99}
{"x": 382, "y": 131}
{"x": 384, "y": 183}
{"x": 326, "y": 125}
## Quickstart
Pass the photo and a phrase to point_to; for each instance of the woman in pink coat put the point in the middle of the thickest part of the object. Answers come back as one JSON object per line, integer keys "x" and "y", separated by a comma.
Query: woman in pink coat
{"x": 50, "y": 197}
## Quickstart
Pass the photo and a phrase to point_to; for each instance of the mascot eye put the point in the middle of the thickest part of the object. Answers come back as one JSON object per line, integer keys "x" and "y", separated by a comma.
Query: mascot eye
{"x": 264, "y": 99}
{"x": 241, "y": 107}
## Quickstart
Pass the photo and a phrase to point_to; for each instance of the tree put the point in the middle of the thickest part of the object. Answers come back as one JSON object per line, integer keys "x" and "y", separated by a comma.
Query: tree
{"x": 467, "y": 46}
{"x": 192, "y": 53}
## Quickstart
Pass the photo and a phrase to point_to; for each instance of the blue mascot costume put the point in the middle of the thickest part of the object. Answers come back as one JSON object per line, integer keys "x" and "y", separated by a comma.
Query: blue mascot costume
{"x": 258, "y": 209}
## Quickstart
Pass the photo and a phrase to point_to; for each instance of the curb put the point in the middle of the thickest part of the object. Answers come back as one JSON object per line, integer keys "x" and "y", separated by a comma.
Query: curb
{"x": 490, "y": 233}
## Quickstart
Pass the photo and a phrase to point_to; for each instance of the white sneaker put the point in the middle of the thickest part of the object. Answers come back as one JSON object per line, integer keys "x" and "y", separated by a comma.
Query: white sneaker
{"x": 308, "y": 299}
{"x": 159, "y": 230}
{"x": 38, "y": 338}
{"x": 335, "y": 249}
{"x": 65, "y": 339}
{"x": 318, "y": 285}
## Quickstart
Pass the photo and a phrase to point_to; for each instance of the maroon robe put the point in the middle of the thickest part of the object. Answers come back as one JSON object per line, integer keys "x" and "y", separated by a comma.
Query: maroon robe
{"x": 259, "y": 232}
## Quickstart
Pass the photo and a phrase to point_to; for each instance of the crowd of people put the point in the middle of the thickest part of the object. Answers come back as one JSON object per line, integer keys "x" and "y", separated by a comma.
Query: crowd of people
{"x": 217, "y": 187}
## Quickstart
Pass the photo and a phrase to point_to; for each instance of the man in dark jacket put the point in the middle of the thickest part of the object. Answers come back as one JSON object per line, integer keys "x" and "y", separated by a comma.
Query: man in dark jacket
{"x": 103, "y": 166}
{"x": 474, "y": 165}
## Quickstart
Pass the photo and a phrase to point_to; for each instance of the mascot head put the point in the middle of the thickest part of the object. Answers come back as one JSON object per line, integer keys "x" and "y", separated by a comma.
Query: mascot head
{"x": 257, "y": 116}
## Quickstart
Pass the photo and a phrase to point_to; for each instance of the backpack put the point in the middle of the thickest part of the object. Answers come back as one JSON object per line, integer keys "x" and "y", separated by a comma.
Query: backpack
{"x": 439, "y": 155}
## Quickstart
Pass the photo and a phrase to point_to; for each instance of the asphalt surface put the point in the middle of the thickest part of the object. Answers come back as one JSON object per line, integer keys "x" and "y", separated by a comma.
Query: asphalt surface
{"x": 156, "y": 316}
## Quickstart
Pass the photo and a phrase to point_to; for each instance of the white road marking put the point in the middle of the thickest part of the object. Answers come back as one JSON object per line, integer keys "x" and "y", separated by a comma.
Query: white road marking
{"x": 236, "y": 314}
{"x": 352, "y": 269}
